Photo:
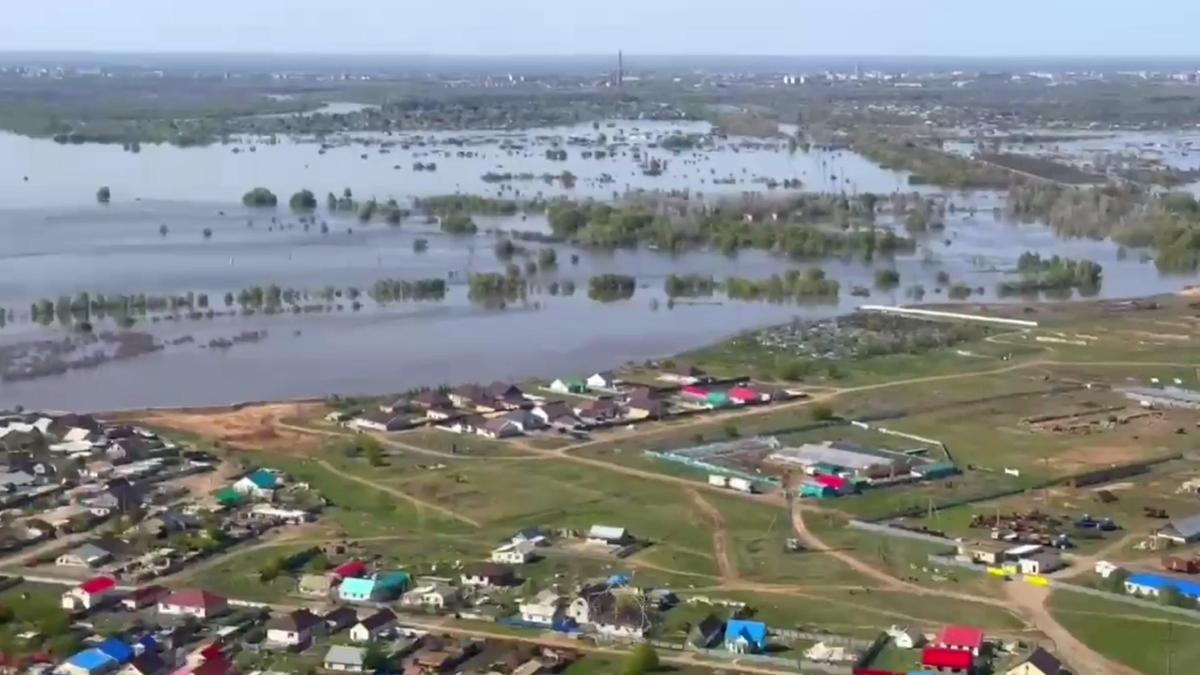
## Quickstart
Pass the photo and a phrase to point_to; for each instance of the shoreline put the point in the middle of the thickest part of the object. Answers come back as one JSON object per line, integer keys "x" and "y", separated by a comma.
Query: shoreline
{"x": 1053, "y": 306}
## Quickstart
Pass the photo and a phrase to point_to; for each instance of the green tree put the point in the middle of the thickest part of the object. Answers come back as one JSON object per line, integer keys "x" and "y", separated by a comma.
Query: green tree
{"x": 303, "y": 200}
{"x": 820, "y": 412}
{"x": 374, "y": 659}
{"x": 104, "y": 195}
{"x": 643, "y": 659}
{"x": 260, "y": 197}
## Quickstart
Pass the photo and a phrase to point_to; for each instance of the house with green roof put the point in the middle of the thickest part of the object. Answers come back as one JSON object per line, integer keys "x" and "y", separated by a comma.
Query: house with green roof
{"x": 229, "y": 497}
{"x": 394, "y": 584}
{"x": 569, "y": 385}
{"x": 260, "y": 484}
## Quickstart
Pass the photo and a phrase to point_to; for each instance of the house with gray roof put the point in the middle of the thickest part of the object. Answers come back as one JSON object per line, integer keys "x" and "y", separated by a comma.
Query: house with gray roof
{"x": 345, "y": 659}
{"x": 1182, "y": 530}
{"x": 85, "y": 555}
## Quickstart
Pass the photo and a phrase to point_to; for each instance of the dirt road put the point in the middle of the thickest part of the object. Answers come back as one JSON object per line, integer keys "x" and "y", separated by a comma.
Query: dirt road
{"x": 421, "y": 504}
{"x": 725, "y": 566}
{"x": 1080, "y": 658}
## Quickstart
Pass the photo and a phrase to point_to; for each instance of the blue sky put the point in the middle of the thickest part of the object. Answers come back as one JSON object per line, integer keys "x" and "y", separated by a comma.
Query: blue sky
{"x": 829, "y": 27}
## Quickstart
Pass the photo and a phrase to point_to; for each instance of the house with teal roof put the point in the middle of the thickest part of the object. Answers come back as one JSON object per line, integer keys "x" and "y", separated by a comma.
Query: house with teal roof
{"x": 569, "y": 385}
{"x": 260, "y": 484}
{"x": 359, "y": 590}
{"x": 394, "y": 584}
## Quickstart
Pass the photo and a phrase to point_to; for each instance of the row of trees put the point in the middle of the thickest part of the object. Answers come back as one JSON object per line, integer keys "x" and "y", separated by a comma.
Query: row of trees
{"x": 1053, "y": 274}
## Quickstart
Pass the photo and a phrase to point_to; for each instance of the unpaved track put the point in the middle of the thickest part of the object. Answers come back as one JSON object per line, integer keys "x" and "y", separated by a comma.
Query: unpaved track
{"x": 1079, "y": 657}
{"x": 725, "y": 566}
{"x": 420, "y": 504}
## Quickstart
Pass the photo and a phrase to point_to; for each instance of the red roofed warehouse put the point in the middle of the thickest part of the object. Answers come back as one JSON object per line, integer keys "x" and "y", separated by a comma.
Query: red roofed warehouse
{"x": 200, "y": 604}
{"x": 953, "y": 660}
{"x": 960, "y": 638}
{"x": 89, "y": 594}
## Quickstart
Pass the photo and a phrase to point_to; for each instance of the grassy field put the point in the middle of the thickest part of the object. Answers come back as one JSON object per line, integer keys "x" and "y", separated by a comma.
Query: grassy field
{"x": 1149, "y": 641}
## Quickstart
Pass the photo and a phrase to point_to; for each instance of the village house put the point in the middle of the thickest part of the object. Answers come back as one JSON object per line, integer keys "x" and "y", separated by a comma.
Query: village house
{"x": 959, "y": 638}
{"x": 745, "y": 637}
{"x": 905, "y": 638}
{"x": 514, "y": 553}
{"x": 568, "y": 385}
{"x": 546, "y": 609}
{"x": 487, "y": 575}
{"x": 602, "y": 380}
{"x": 1181, "y": 530}
{"x": 293, "y": 630}
{"x": 349, "y": 569}
{"x": 442, "y": 414}
{"x": 599, "y": 411}
{"x": 89, "y": 594}
{"x": 525, "y": 420}
{"x": 85, "y": 555}
{"x": 345, "y": 659}
{"x": 436, "y": 596}
{"x": 378, "y": 420}
{"x": 708, "y": 633}
{"x": 360, "y": 590}
{"x": 433, "y": 398}
{"x": 552, "y": 411}
{"x": 642, "y": 407}
{"x": 465, "y": 424}
{"x": 339, "y": 619}
{"x": 373, "y": 626}
{"x": 440, "y": 655}
{"x": 259, "y": 484}
{"x": 684, "y": 374}
{"x": 607, "y": 613}
{"x": 605, "y": 535}
{"x": 198, "y": 603}
{"x": 146, "y": 663}
{"x": 145, "y": 596}
{"x": 1040, "y": 662}
{"x": 1044, "y": 561}
{"x": 499, "y": 427}
{"x": 474, "y": 398}
{"x": 747, "y": 396}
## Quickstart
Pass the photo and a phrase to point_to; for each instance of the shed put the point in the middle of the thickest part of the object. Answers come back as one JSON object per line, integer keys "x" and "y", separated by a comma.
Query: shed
{"x": 1040, "y": 662}
{"x": 344, "y": 658}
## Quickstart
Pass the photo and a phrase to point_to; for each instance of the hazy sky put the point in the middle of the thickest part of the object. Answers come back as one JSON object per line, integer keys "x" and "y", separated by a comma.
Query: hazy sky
{"x": 824, "y": 27}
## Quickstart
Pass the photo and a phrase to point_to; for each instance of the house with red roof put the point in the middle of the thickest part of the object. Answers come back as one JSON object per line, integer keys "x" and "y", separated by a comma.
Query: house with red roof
{"x": 349, "y": 570}
{"x": 692, "y": 391}
{"x": 192, "y": 602}
{"x": 944, "y": 659}
{"x": 746, "y": 396}
{"x": 146, "y": 596}
{"x": 960, "y": 638}
{"x": 89, "y": 594}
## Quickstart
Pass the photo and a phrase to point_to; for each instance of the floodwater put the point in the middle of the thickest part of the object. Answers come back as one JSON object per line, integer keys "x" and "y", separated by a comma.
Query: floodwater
{"x": 56, "y": 240}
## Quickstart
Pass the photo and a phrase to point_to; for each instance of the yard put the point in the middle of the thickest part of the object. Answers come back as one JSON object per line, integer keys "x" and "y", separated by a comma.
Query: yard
{"x": 1144, "y": 639}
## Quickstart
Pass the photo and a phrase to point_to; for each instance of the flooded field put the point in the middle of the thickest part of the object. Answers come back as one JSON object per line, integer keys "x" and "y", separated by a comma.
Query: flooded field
{"x": 55, "y": 240}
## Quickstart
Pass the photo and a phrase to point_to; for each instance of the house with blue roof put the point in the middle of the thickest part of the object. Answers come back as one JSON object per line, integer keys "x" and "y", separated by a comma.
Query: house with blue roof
{"x": 89, "y": 662}
{"x": 745, "y": 637}
{"x": 360, "y": 590}
{"x": 1155, "y": 584}
{"x": 116, "y": 650}
{"x": 260, "y": 484}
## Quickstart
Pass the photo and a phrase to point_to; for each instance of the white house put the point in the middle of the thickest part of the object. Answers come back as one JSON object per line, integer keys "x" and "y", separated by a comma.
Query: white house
{"x": 517, "y": 553}
{"x": 604, "y": 380}
{"x": 608, "y": 536}
{"x": 294, "y": 629}
{"x": 260, "y": 484}
{"x": 197, "y": 603}
{"x": 1042, "y": 562}
{"x": 373, "y": 626}
{"x": 544, "y": 609}
{"x": 433, "y": 596}
{"x": 89, "y": 594}
{"x": 905, "y": 638}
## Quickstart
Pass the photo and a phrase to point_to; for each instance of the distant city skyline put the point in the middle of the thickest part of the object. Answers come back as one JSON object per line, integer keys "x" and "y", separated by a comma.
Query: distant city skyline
{"x": 948, "y": 28}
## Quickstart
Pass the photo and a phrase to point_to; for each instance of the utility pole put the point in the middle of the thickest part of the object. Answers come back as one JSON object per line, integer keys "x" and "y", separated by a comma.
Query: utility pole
{"x": 620, "y": 69}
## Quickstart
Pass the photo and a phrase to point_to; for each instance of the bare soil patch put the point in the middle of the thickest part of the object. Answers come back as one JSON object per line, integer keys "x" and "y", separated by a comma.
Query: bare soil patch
{"x": 256, "y": 427}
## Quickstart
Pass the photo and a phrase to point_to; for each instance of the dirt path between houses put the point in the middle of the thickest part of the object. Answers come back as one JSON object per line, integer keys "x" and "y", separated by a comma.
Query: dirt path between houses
{"x": 1078, "y": 656}
{"x": 420, "y": 504}
{"x": 725, "y": 565}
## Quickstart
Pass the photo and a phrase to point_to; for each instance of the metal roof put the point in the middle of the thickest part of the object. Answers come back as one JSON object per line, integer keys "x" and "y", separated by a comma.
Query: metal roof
{"x": 344, "y": 655}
